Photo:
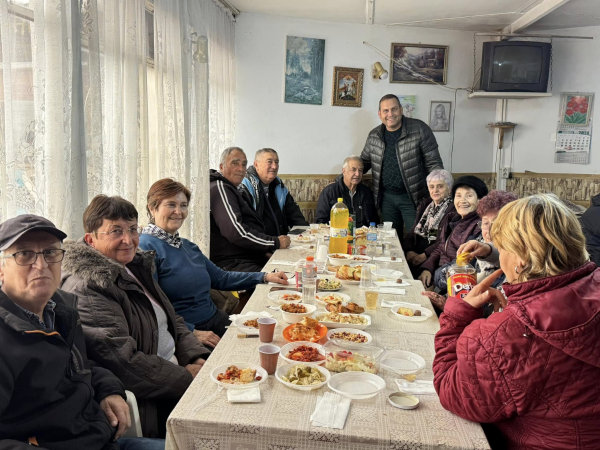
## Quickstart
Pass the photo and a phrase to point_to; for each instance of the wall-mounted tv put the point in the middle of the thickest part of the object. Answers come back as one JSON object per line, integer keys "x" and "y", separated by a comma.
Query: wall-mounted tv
{"x": 518, "y": 66}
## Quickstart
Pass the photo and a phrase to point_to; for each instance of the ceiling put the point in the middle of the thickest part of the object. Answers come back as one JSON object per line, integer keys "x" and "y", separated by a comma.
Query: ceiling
{"x": 468, "y": 15}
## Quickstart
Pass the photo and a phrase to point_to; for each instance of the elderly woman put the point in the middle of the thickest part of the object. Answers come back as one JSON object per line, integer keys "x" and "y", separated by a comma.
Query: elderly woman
{"x": 420, "y": 242}
{"x": 533, "y": 369}
{"x": 182, "y": 270}
{"x": 457, "y": 227}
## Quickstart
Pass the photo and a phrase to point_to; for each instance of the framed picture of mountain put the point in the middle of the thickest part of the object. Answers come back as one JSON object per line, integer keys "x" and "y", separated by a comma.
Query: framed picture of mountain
{"x": 304, "y": 63}
{"x": 419, "y": 63}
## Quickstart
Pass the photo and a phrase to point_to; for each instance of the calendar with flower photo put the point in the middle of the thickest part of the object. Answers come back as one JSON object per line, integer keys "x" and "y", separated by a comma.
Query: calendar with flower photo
{"x": 576, "y": 109}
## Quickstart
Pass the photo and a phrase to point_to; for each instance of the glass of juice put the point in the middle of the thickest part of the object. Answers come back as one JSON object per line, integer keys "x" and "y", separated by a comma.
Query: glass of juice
{"x": 371, "y": 297}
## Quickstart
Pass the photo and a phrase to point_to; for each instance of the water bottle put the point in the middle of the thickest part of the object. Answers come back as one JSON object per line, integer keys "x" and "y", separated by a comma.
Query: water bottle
{"x": 299, "y": 269}
{"x": 309, "y": 281}
{"x": 372, "y": 240}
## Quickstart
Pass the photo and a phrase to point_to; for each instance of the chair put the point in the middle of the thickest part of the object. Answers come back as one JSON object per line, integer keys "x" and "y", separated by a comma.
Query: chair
{"x": 136, "y": 425}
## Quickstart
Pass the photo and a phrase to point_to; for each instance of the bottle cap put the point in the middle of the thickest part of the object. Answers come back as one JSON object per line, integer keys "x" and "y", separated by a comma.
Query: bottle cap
{"x": 372, "y": 224}
{"x": 340, "y": 200}
{"x": 310, "y": 258}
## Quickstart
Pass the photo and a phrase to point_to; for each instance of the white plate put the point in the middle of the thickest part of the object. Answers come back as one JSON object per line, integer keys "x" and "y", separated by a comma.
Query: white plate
{"x": 275, "y": 295}
{"x": 402, "y": 362}
{"x": 346, "y": 325}
{"x": 425, "y": 313}
{"x": 363, "y": 260}
{"x": 356, "y": 385}
{"x": 349, "y": 282}
{"x": 345, "y": 298}
{"x": 330, "y": 277}
{"x": 221, "y": 369}
{"x": 292, "y": 345}
{"x": 389, "y": 274}
{"x": 283, "y": 370}
{"x": 346, "y": 259}
{"x": 239, "y": 322}
{"x": 298, "y": 317}
{"x": 304, "y": 240}
{"x": 350, "y": 330}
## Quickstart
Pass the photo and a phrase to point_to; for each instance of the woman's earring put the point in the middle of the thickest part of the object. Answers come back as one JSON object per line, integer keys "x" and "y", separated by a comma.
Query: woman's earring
{"x": 517, "y": 270}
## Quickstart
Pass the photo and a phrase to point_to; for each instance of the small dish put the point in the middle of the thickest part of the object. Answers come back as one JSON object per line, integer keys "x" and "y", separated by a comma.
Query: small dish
{"x": 356, "y": 385}
{"x": 355, "y": 326}
{"x": 339, "y": 259}
{"x": 321, "y": 330}
{"x": 326, "y": 280}
{"x": 302, "y": 239}
{"x": 283, "y": 370}
{"x": 351, "y": 331}
{"x": 345, "y": 298}
{"x": 294, "y": 345}
{"x": 403, "y": 401}
{"x": 388, "y": 274}
{"x": 402, "y": 362}
{"x": 425, "y": 313}
{"x": 297, "y": 317}
{"x": 239, "y": 322}
{"x": 222, "y": 368}
{"x": 279, "y": 296}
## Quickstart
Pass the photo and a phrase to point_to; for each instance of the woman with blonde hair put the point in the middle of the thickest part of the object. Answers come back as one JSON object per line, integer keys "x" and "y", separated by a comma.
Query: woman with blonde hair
{"x": 533, "y": 369}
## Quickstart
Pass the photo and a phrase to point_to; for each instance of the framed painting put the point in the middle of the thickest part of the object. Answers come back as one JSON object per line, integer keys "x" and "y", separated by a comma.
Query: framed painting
{"x": 304, "y": 61}
{"x": 419, "y": 63}
{"x": 409, "y": 105}
{"x": 439, "y": 115}
{"x": 347, "y": 86}
{"x": 576, "y": 108}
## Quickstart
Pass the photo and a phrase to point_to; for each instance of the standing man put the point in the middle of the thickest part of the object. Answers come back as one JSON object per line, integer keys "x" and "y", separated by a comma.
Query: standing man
{"x": 402, "y": 152}
{"x": 270, "y": 198}
{"x": 357, "y": 197}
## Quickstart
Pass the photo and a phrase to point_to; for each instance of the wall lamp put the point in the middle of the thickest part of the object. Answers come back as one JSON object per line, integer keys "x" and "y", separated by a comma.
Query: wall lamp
{"x": 379, "y": 71}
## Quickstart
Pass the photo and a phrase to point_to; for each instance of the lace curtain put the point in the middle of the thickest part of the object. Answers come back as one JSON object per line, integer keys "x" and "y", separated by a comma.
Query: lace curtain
{"x": 107, "y": 96}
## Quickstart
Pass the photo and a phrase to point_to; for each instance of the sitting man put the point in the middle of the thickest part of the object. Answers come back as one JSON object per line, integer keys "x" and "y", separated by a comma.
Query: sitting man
{"x": 357, "y": 197}
{"x": 270, "y": 198}
{"x": 237, "y": 238}
{"x": 45, "y": 377}
{"x": 129, "y": 324}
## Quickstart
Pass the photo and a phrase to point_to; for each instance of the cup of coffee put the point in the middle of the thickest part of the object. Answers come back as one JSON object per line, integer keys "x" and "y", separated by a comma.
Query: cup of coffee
{"x": 266, "y": 329}
{"x": 268, "y": 357}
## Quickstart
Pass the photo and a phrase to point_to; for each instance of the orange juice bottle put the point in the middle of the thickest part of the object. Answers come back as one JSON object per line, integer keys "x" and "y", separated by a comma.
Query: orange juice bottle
{"x": 338, "y": 228}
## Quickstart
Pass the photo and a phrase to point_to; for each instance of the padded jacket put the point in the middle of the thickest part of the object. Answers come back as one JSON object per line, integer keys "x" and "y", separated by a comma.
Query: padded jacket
{"x": 121, "y": 330}
{"x": 533, "y": 369}
{"x": 412, "y": 242}
{"x": 49, "y": 393}
{"x": 590, "y": 223}
{"x": 418, "y": 156}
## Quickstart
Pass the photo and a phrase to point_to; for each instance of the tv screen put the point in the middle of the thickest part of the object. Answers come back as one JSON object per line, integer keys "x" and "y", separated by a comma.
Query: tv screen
{"x": 522, "y": 65}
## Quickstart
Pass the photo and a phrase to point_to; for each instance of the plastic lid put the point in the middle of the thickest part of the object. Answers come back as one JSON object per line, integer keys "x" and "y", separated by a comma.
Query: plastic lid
{"x": 340, "y": 200}
{"x": 372, "y": 224}
{"x": 310, "y": 258}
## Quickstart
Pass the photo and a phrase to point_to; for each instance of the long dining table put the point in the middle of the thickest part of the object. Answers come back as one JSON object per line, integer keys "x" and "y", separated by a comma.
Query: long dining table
{"x": 205, "y": 420}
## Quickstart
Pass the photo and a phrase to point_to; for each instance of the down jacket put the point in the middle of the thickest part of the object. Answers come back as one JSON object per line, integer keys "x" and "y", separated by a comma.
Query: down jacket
{"x": 120, "y": 329}
{"x": 418, "y": 156}
{"x": 533, "y": 369}
{"x": 590, "y": 223}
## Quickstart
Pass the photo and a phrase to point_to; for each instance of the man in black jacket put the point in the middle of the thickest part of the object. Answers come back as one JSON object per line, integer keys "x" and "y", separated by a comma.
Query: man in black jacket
{"x": 401, "y": 152}
{"x": 270, "y": 198}
{"x": 590, "y": 223}
{"x": 238, "y": 241}
{"x": 357, "y": 197}
{"x": 50, "y": 396}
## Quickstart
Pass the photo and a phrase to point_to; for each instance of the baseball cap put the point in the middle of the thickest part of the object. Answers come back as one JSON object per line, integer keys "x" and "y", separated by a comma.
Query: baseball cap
{"x": 13, "y": 229}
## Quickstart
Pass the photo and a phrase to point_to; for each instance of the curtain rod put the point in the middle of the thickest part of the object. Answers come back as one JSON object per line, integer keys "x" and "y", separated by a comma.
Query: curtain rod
{"x": 229, "y": 6}
{"x": 549, "y": 36}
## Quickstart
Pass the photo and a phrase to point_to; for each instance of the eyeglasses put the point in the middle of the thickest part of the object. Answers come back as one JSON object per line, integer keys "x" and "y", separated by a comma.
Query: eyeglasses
{"x": 28, "y": 258}
{"x": 118, "y": 233}
{"x": 485, "y": 224}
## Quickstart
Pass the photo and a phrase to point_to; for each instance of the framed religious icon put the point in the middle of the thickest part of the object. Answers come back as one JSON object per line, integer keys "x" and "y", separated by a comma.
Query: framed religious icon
{"x": 347, "y": 86}
{"x": 419, "y": 63}
{"x": 439, "y": 115}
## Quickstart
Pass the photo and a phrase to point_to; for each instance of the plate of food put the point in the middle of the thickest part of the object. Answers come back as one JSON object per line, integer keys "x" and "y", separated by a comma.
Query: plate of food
{"x": 325, "y": 283}
{"x": 324, "y": 299}
{"x": 238, "y": 375}
{"x": 307, "y": 330}
{"x": 349, "y": 274}
{"x": 341, "y": 320}
{"x": 286, "y": 296}
{"x": 411, "y": 313}
{"x": 302, "y": 239}
{"x": 248, "y": 323}
{"x": 359, "y": 259}
{"x": 339, "y": 259}
{"x": 295, "y": 312}
{"x": 347, "y": 308}
{"x": 306, "y": 352}
{"x": 356, "y": 385}
{"x": 350, "y": 361}
{"x": 350, "y": 335}
{"x": 302, "y": 377}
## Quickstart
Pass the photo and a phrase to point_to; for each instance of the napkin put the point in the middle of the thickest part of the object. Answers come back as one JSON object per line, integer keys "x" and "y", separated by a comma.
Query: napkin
{"x": 391, "y": 284}
{"x": 250, "y": 314}
{"x": 250, "y": 395}
{"x": 279, "y": 262}
{"x": 392, "y": 291}
{"x": 386, "y": 258}
{"x": 416, "y": 387}
{"x": 298, "y": 247}
{"x": 391, "y": 304}
{"x": 331, "y": 411}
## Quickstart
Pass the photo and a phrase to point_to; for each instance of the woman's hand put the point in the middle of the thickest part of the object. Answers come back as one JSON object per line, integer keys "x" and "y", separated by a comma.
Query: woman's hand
{"x": 410, "y": 256}
{"x": 476, "y": 249}
{"x": 419, "y": 259}
{"x": 483, "y": 293}
{"x": 277, "y": 277}
{"x": 425, "y": 278}
{"x": 207, "y": 338}
{"x": 436, "y": 299}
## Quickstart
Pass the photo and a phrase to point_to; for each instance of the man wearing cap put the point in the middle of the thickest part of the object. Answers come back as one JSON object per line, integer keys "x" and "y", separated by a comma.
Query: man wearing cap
{"x": 50, "y": 396}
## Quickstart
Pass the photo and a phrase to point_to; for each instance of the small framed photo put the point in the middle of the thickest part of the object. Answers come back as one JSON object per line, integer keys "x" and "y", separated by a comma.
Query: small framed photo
{"x": 439, "y": 115}
{"x": 419, "y": 63}
{"x": 347, "y": 86}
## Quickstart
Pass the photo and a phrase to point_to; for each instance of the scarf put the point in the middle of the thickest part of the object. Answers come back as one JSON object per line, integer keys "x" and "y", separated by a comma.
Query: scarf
{"x": 172, "y": 240}
{"x": 431, "y": 218}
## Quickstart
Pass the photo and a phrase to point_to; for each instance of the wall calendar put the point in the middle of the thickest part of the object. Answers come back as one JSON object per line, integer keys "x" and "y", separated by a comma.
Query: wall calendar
{"x": 574, "y": 130}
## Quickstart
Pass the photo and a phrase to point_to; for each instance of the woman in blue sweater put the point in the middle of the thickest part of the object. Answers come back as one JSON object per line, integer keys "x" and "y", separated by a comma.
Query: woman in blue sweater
{"x": 183, "y": 272}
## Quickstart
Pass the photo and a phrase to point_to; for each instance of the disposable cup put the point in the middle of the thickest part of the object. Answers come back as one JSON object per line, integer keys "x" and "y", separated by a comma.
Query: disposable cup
{"x": 387, "y": 226}
{"x": 266, "y": 329}
{"x": 268, "y": 357}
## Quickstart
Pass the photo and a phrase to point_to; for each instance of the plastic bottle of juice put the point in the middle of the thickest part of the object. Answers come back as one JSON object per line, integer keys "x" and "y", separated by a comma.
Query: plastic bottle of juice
{"x": 338, "y": 229}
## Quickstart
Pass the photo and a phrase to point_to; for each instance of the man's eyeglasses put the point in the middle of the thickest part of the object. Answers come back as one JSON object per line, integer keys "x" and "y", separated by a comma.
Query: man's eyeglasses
{"x": 28, "y": 258}
{"x": 118, "y": 233}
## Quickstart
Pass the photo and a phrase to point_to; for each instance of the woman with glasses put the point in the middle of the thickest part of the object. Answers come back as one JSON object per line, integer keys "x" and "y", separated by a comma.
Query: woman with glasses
{"x": 182, "y": 270}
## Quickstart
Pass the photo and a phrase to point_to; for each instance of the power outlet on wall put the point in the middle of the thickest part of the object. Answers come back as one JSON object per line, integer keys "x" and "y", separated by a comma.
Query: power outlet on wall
{"x": 505, "y": 173}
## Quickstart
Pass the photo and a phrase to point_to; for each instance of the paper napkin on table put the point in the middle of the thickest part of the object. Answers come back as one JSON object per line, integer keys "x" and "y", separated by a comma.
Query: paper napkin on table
{"x": 416, "y": 387}
{"x": 391, "y": 304}
{"x": 387, "y": 258}
{"x": 391, "y": 284}
{"x": 250, "y": 315}
{"x": 282, "y": 263}
{"x": 331, "y": 411}
{"x": 392, "y": 291}
{"x": 250, "y": 395}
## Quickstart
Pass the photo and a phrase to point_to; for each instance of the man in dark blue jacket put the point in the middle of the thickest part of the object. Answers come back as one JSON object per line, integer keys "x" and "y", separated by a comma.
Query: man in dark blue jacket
{"x": 357, "y": 197}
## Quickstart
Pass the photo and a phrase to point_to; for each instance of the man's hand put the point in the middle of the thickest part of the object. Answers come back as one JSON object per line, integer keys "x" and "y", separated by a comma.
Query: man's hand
{"x": 199, "y": 362}
{"x": 476, "y": 249}
{"x": 284, "y": 241}
{"x": 277, "y": 277}
{"x": 425, "y": 278}
{"x": 410, "y": 256}
{"x": 436, "y": 299}
{"x": 117, "y": 413}
{"x": 419, "y": 259}
{"x": 483, "y": 293}
{"x": 194, "y": 368}
{"x": 207, "y": 338}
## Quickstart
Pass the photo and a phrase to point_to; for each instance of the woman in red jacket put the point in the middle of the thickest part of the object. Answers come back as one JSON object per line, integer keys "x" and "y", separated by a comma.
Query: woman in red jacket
{"x": 532, "y": 370}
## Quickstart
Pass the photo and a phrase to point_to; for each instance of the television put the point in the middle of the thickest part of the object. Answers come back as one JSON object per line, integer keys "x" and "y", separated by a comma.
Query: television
{"x": 517, "y": 66}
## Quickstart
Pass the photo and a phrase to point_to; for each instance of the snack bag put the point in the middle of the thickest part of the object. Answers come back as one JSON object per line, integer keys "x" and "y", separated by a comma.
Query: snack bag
{"x": 462, "y": 277}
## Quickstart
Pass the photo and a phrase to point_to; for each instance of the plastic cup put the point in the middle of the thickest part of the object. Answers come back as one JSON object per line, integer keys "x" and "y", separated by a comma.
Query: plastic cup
{"x": 268, "y": 357}
{"x": 371, "y": 298}
{"x": 380, "y": 232}
{"x": 381, "y": 271}
{"x": 266, "y": 329}
{"x": 314, "y": 228}
{"x": 387, "y": 226}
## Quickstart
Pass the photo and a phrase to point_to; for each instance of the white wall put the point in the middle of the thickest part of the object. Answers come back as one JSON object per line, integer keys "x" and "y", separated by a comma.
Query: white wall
{"x": 576, "y": 67}
{"x": 316, "y": 139}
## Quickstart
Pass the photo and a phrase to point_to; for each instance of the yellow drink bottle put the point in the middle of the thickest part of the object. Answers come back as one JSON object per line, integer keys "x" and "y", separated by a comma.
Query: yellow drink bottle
{"x": 338, "y": 228}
